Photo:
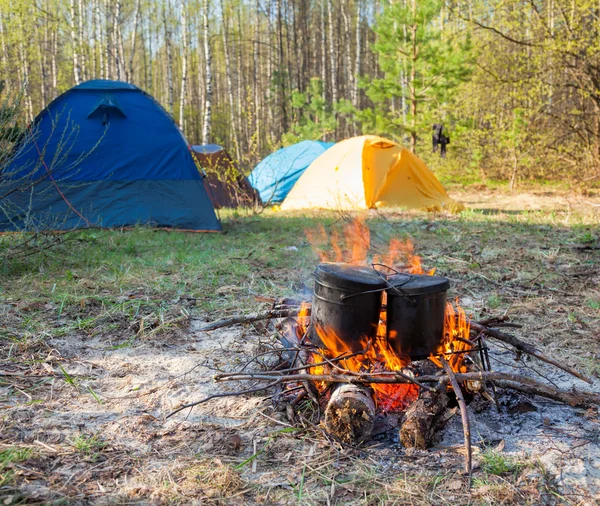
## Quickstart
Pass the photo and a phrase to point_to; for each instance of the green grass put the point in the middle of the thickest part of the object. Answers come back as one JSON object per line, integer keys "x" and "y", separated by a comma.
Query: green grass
{"x": 496, "y": 463}
{"x": 8, "y": 458}
{"x": 126, "y": 285}
{"x": 88, "y": 445}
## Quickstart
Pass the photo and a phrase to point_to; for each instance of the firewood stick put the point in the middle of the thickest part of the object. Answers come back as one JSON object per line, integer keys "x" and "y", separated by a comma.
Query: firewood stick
{"x": 503, "y": 380}
{"x": 512, "y": 381}
{"x": 527, "y": 348}
{"x": 463, "y": 415}
{"x": 249, "y": 318}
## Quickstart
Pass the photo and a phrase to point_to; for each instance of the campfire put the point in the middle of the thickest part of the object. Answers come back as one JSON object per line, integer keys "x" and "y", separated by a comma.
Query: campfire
{"x": 381, "y": 341}
{"x": 390, "y": 318}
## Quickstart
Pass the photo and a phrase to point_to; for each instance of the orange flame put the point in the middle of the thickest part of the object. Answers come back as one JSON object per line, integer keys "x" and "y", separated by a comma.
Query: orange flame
{"x": 379, "y": 356}
{"x": 456, "y": 336}
{"x": 353, "y": 249}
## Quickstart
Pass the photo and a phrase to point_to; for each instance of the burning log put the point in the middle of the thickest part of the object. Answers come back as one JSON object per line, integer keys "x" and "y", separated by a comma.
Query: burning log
{"x": 350, "y": 414}
{"x": 423, "y": 419}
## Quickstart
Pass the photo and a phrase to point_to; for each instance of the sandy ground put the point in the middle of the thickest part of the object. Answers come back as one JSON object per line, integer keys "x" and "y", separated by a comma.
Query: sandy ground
{"x": 144, "y": 456}
{"x": 94, "y": 417}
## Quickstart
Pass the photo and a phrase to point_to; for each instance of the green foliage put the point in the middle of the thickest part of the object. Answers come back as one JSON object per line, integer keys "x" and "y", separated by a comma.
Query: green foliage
{"x": 423, "y": 64}
{"x": 493, "y": 462}
{"x": 313, "y": 117}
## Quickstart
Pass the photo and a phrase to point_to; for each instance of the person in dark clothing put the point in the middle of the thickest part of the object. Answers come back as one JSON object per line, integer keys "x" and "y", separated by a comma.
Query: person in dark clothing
{"x": 439, "y": 138}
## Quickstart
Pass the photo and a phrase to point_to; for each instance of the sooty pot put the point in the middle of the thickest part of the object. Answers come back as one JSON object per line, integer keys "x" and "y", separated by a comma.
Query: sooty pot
{"x": 416, "y": 306}
{"x": 347, "y": 301}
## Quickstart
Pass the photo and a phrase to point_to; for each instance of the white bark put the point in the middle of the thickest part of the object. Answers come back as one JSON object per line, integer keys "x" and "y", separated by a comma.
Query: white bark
{"x": 41, "y": 59}
{"x": 170, "y": 93}
{"x": 232, "y": 112}
{"x": 53, "y": 64}
{"x": 95, "y": 23}
{"x": 136, "y": 15}
{"x": 323, "y": 49}
{"x": 183, "y": 64}
{"x": 357, "y": 69}
{"x": 3, "y": 42}
{"x": 206, "y": 124}
{"x": 115, "y": 40}
{"x": 332, "y": 54}
{"x": 81, "y": 38}
{"x": 74, "y": 42}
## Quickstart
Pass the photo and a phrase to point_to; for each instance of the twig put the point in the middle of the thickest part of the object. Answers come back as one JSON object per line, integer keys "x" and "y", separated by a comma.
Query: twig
{"x": 226, "y": 394}
{"x": 527, "y": 348}
{"x": 463, "y": 415}
{"x": 513, "y": 381}
{"x": 249, "y": 318}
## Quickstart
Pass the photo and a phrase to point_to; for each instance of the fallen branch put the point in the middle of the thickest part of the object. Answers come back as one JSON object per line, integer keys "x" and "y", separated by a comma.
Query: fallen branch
{"x": 463, "y": 415}
{"x": 522, "y": 383}
{"x": 527, "y": 348}
{"x": 249, "y": 318}
{"x": 225, "y": 394}
{"x": 503, "y": 380}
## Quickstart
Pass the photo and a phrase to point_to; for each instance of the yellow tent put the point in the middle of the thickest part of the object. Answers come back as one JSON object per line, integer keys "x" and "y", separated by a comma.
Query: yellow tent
{"x": 367, "y": 172}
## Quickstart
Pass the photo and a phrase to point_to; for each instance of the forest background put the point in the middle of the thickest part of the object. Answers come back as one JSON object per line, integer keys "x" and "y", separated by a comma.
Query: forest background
{"x": 515, "y": 83}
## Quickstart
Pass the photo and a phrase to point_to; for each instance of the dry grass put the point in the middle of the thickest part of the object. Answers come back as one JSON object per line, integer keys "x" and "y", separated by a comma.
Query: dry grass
{"x": 95, "y": 346}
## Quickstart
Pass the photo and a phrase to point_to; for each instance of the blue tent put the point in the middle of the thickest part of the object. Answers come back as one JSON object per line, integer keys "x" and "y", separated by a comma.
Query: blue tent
{"x": 104, "y": 154}
{"x": 275, "y": 176}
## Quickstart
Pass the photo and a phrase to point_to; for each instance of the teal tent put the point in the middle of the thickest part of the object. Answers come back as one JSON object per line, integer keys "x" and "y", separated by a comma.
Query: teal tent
{"x": 276, "y": 175}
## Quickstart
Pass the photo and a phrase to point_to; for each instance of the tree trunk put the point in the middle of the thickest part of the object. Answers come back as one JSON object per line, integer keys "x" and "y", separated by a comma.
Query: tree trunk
{"x": 75, "y": 43}
{"x": 53, "y": 63}
{"x": 232, "y": 112}
{"x": 94, "y": 39}
{"x": 121, "y": 49}
{"x": 108, "y": 63}
{"x": 100, "y": 41}
{"x": 81, "y": 37}
{"x": 206, "y": 124}
{"x": 183, "y": 64}
{"x": 136, "y": 14}
{"x": 256, "y": 56}
{"x": 349, "y": 84}
{"x": 116, "y": 40}
{"x": 280, "y": 75}
{"x": 357, "y": 69}
{"x": 170, "y": 94}
{"x": 332, "y": 54}
{"x": 4, "y": 70}
{"x": 41, "y": 62}
{"x": 323, "y": 49}
{"x": 413, "y": 81}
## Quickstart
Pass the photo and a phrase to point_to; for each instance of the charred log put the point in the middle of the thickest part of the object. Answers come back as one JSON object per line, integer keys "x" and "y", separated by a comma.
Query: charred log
{"x": 350, "y": 414}
{"x": 423, "y": 419}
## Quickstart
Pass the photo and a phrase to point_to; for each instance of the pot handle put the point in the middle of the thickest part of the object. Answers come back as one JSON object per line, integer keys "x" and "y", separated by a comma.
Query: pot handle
{"x": 397, "y": 288}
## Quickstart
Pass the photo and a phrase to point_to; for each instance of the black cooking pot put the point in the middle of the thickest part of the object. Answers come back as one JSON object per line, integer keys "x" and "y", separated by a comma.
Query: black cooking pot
{"x": 347, "y": 301}
{"x": 416, "y": 306}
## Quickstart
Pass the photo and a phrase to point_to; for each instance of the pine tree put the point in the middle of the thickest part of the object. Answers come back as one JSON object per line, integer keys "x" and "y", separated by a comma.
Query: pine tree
{"x": 422, "y": 63}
